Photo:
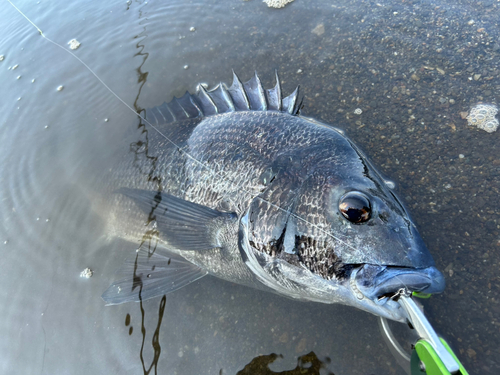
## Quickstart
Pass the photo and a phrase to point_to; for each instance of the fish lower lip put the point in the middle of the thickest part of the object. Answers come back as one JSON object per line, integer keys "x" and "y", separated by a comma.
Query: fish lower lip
{"x": 378, "y": 282}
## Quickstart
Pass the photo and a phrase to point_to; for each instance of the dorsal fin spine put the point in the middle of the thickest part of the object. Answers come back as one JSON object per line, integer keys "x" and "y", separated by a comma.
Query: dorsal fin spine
{"x": 293, "y": 100}
{"x": 221, "y": 99}
{"x": 277, "y": 87}
{"x": 227, "y": 96}
{"x": 202, "y": 94}
{"x": 248, "y": 96}
{"x": 171, "y": 112}
{"x": 238, "y": 94}
{"x": 299, "y": 106}
{"x": 273, "y": 96}
{"x": 290, "y": 102}
{"x": 180, "y": 105}
{"x": 296, "y": 102}
{"x": 151, "y": 113}
{"x": 196, "y": 105}
{"x": 156, "y": 117}
{"x": 262, "y": 94}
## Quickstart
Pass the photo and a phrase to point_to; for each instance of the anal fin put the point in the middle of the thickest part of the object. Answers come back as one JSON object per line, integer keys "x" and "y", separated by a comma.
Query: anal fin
{"x": 150, "y": 275}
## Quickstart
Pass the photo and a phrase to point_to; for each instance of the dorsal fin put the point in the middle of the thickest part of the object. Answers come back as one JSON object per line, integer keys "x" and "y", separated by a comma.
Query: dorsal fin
{"x": 238, "y": 94}
{"x": 248, "y": 96}
{"x": 255, "y": 94}
{"x": 274, "y": 96}
{"x": 290, "y": 103}
{"x": 208, "y": 107}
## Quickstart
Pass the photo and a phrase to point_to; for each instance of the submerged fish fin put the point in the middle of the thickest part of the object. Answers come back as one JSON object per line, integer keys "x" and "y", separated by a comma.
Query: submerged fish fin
{"x": 150, "y": 275}
{"x": 191, "y": 109}
{"x": 160, "y": 115}
{"x": 183, "y": 225}
{"x": 248, "y": 96}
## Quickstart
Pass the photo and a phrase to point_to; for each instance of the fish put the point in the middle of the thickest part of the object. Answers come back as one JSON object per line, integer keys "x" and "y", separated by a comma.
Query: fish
{"x": 237, "y": 183}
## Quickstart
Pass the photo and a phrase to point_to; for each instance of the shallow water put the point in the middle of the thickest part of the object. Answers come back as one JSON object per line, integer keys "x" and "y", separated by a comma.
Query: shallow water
{"x": 400, "y": 62}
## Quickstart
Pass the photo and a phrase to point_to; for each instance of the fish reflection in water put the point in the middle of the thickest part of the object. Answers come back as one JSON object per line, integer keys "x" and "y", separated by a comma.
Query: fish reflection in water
{"x": 243, "y": 187}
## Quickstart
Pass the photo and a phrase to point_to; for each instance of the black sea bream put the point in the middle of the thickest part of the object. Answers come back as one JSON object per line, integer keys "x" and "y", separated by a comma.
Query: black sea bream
{"x": 245, "y": 189}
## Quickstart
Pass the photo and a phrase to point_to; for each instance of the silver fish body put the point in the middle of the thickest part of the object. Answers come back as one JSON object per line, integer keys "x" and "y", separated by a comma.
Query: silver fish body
{"x": 244, "y": 188}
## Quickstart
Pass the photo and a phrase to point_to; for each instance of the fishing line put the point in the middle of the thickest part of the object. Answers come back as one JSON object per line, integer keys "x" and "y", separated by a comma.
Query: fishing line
{"x": 174, "y": 144}
{"x": 168, "y": 139}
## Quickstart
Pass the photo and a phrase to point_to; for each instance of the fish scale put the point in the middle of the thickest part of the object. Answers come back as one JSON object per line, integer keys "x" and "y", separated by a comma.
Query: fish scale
{"x": 241, "y": 186}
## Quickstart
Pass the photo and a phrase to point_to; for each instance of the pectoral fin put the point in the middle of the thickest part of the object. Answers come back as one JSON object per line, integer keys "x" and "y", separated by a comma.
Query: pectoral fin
{"x": 183, "y": 225}
{"x": 150, "y": 275}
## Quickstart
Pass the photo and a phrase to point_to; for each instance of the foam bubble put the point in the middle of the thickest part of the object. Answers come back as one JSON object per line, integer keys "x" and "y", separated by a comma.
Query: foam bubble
{"x": 74, "y": 44}
{"x": 483, "y": 116}
{"x": 277, "y": 3}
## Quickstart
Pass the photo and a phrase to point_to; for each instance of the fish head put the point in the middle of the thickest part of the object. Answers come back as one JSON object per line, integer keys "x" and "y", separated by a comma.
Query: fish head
{"x": 340, "y": 234}
{"x": 375, "y": 237}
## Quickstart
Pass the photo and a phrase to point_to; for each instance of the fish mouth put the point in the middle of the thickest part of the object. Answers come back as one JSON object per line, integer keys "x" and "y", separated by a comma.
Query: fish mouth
{"x": 380, "y": 283}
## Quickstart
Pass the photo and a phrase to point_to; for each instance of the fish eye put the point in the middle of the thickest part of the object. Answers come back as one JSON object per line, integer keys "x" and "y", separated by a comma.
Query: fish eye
{"x": 355, "y": 207}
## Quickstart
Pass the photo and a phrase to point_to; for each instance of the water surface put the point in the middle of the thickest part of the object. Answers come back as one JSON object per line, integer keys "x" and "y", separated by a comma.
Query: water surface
{"x": 412, "y": 67}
